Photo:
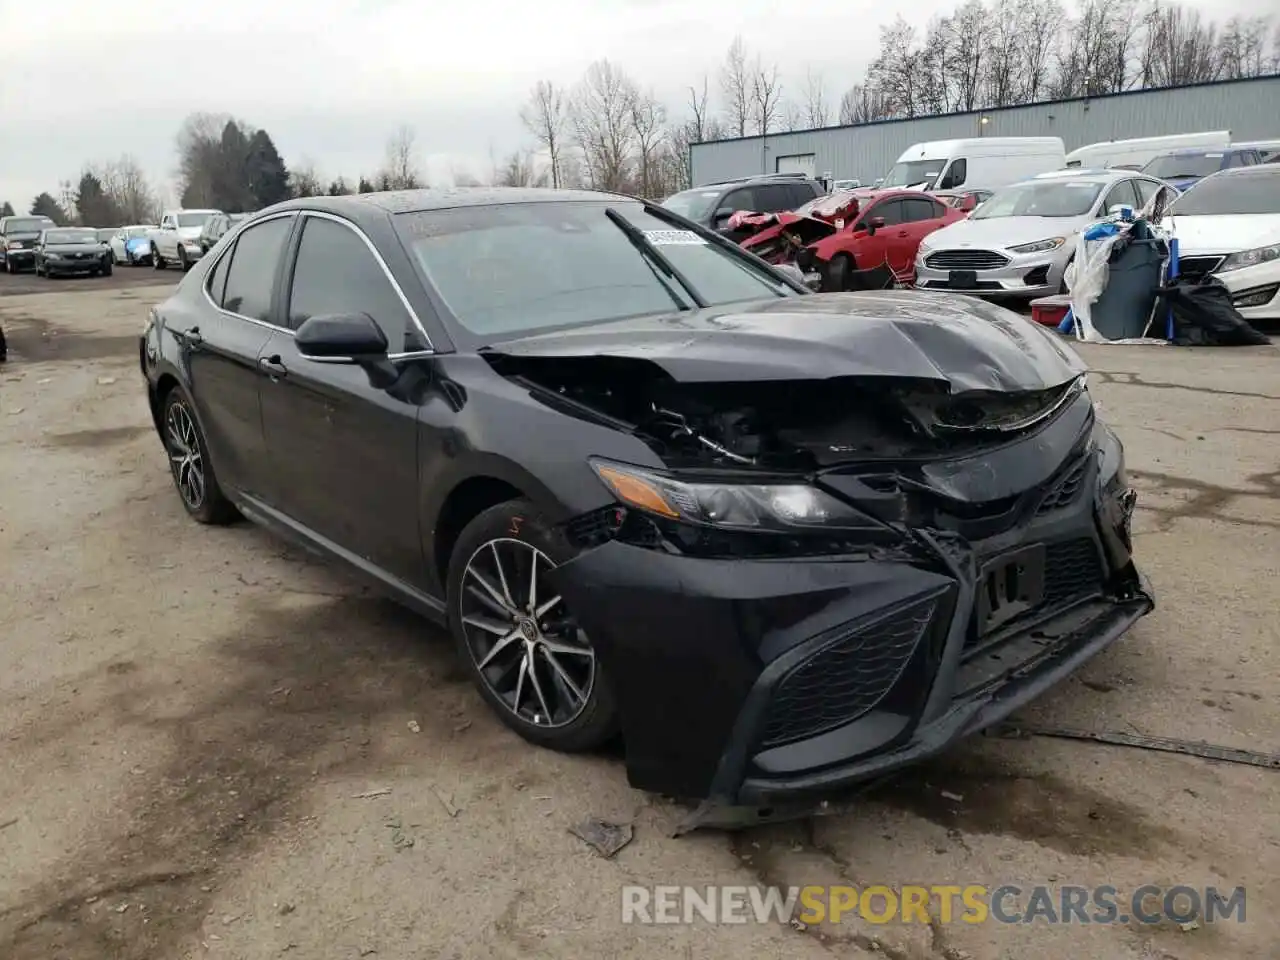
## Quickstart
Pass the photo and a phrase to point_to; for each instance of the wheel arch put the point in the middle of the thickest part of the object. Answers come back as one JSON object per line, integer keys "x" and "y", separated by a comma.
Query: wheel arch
{"x": 466, "y": 501}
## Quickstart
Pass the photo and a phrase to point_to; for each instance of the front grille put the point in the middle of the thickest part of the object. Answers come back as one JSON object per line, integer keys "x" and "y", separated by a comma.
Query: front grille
{"x": 965, "y": 260}
{"x": 1064, "y": 492}
{"x": 1197, "y": 268}
{"x": 846, "y": 678}
{"x": 1073, "y": 571}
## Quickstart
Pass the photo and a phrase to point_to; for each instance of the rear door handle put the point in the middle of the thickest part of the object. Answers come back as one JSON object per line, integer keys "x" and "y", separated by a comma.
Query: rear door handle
{"x": 272, "y": 367}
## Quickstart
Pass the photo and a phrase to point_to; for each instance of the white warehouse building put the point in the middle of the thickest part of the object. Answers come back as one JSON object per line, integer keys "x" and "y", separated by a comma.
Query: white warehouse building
{"x": 1248, "y": 108}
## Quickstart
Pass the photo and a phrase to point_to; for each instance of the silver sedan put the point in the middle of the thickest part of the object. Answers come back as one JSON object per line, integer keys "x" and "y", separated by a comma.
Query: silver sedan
{"x": 1019, "y": 242}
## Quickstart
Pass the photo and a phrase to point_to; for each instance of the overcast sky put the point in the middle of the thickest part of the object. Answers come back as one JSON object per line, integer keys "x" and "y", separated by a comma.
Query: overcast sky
{"x": 84, "y": 81}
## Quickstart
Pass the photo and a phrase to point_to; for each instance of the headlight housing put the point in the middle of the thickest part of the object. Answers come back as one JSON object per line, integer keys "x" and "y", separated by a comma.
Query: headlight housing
{"x": 1039, "y": 246}
{"x": 1250, "y": 258}
{"x": 746, "y": 507}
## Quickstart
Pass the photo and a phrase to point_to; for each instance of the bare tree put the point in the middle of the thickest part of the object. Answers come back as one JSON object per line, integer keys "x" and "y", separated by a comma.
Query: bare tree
{"x": 1041, "y": 26}
{"x": 862, "y": 103}
{"x": 701, "y": 123}
{"x": 304, "y": 181}
{"x": 816, "y": 111}
{"x": 896, "y": 70}
{"x": 1242, "y": 48}
{"x": 603, "y": 126}
{"x": 735, "y": 88}
{"x": 1180, "y": 47}
{"x": 199, "y": 146}
{"x": 648, "y": 121}
{"x": 519, "y": 170}
{"x": 125, "y": 183}
{"x": 766, "y": 97}
{"x": 792, "y": 116}
{"x": 399, "y": 168}
{"x": 546, "y": 116}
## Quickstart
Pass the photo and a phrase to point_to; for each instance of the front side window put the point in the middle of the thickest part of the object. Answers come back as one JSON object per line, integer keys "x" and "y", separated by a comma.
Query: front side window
{"x": 891, "y": 210}
{"x": 956, "y": 174}
{"x": 336, "y": 274}
{"x": 739, "y": 200}
{"x": 517, "y": 268}
{"x": 1121, "y": 195}
{"x": 693, "y": 204}
{"x": 251, "y": 275}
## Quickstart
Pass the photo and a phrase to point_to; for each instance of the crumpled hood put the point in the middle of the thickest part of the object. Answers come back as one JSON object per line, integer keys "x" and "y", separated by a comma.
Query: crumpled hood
{"x": 1223, "y": 233}
{"x": 964, "y": 343}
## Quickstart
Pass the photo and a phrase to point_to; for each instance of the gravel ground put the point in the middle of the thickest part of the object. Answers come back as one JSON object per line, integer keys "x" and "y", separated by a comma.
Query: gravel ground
{"x": 122, "y": 278}
{"x": 215, "y": 746}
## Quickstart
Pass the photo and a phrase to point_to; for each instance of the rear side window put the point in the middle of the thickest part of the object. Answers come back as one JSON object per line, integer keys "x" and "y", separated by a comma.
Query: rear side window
{"x": 251, "y": 276}
{"x": 918, "y": 208}
{"x": 218, "y": 278}
{"x": 773, "y": 197}
{"x": 336, "y": 273}
{"x": 955, "y": 175}
{"x": 1241, "y": 159}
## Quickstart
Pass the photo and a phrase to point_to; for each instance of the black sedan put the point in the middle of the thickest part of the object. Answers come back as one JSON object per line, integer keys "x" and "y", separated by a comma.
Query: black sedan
{"x": 779, "y": 541}
{"x": 66, "y": 250}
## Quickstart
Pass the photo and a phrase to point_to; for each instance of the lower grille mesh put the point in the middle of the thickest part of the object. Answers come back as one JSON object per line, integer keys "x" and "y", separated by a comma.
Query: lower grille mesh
{"x": 846, "y": 678}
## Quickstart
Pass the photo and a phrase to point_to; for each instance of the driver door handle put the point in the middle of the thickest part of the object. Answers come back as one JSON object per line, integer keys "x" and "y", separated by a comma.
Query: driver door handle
{"x": 273, "y": 367}
{"x": 192, "y": 337}
{"x": 903, "y": 233}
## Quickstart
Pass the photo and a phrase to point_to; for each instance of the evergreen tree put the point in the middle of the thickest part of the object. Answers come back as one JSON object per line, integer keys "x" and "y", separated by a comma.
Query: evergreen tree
{"x": 45, "y": 206}
{"x": 6, "y": 209}
{"x": 268, "y": 177}
{"x": 94, "y": 206}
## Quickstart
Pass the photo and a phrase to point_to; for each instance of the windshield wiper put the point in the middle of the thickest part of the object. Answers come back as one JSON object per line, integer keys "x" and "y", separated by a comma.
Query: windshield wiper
{"x": 657, "y": 258}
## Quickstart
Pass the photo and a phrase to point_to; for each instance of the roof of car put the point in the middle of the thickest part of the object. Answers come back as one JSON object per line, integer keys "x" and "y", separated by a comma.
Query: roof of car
{"x": 1256, "y": 170}
{"x": 415, "y": 201}
{"x": 1076, "y": 173}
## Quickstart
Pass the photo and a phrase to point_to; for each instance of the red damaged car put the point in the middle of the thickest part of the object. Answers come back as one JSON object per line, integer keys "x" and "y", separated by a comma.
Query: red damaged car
{"x": 849, "y": 231}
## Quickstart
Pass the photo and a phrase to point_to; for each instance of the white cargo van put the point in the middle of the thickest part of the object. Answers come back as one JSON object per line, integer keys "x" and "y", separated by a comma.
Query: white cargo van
{"x": 1137, "y": 153}
{"x": 980, "y": 163}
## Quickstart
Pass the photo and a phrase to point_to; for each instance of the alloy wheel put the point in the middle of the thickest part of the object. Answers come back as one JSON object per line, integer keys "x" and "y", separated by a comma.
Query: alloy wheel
{"x": 525, "y": 644}
{"x": 185, "y": 459}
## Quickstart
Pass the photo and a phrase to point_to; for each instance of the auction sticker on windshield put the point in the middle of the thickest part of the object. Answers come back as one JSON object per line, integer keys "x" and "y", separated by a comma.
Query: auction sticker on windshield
{"x": 666, "y": 238}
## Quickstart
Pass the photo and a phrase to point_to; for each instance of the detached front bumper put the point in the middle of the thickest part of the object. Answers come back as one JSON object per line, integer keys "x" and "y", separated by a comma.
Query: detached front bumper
{"x": 751, "y": 683}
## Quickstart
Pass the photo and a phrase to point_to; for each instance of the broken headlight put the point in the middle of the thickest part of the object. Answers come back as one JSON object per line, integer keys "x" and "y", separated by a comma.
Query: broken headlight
{"x": 762, "y": 507}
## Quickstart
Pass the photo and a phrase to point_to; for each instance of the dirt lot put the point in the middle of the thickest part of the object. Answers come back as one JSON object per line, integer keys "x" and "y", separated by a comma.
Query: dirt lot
{"x": 213, "y": 746}
{"x": 122, "y": 278}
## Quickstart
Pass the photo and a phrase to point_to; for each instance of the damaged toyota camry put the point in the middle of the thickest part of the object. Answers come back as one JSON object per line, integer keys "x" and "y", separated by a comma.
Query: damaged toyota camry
{"x": 779, "y": 542}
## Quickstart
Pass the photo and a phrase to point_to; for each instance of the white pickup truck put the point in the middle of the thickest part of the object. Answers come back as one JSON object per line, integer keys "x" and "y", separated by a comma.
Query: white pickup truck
{"x": 177, "y": 239}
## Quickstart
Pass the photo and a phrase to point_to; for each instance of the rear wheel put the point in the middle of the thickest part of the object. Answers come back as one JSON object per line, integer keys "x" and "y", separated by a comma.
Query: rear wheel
{"x": 517, "y": 638}
{"x": 189, "y": 463}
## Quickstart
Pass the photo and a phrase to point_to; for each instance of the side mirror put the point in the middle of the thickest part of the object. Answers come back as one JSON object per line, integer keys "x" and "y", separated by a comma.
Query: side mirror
{"x": 875, "y": 224}
{"x": 721, "y": 217}
{"x": 341, "y": 338}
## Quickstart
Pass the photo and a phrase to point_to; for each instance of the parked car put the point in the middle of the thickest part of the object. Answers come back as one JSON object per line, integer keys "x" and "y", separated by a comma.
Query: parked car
{"x": 963, "y": 200}
{"x": 177, "y": 239}
{"x": 132, "y": 245}
{"x": 712, "y": 206}
{"x": 18, "y": 239}
{"x": 879, "y": 227}
{"x": 1140, "y": 151}
{"x": 1228, "y": 226}
{"x": 63, "y": 251}
{"x": 216, "y": 226}
{"x": 1019, "y": 242}
{"x": 1182, "y": 168}
{"x": 837, "y": 533}
{"x": 1269, "y": 150}
{"x": 976, "y": 163}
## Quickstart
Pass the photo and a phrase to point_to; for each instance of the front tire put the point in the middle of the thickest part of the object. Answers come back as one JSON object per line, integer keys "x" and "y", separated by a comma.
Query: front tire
{"x": 107, "y": 269}
{"x": 189, "y": 462}
{"x": 524, "y": 650}
{"x": 183, "y": 262}
{"x": 838, "y": 271}
{"x": 157, "y": 261}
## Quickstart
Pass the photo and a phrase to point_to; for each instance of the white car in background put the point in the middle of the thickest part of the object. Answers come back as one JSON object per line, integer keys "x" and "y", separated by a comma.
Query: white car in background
{"x": 1228, "y": 225}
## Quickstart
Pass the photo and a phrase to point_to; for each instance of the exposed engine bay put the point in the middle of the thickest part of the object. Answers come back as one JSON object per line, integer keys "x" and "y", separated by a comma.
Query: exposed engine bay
{"x": 782, "y": 425}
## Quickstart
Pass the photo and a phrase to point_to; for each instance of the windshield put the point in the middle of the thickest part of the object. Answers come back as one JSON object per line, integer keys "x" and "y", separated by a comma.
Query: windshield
{"x": 518, "y": 268}
{"x": 71, "y": 236}
{"x": 1059, "y": 198}
{"x": 26, "y": 224}
{"x": 913, "y": 172}
{"x": 693, "y": 204}
{"x": 193, "y": 219}
{"x": 1231, "y": 195}
{"x": 1174, "y": 165}
{"x": 138, "y": 233}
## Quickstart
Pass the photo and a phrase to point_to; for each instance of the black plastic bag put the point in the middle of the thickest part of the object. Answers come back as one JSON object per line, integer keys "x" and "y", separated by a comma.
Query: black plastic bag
{"x": 1204, "y": 316}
